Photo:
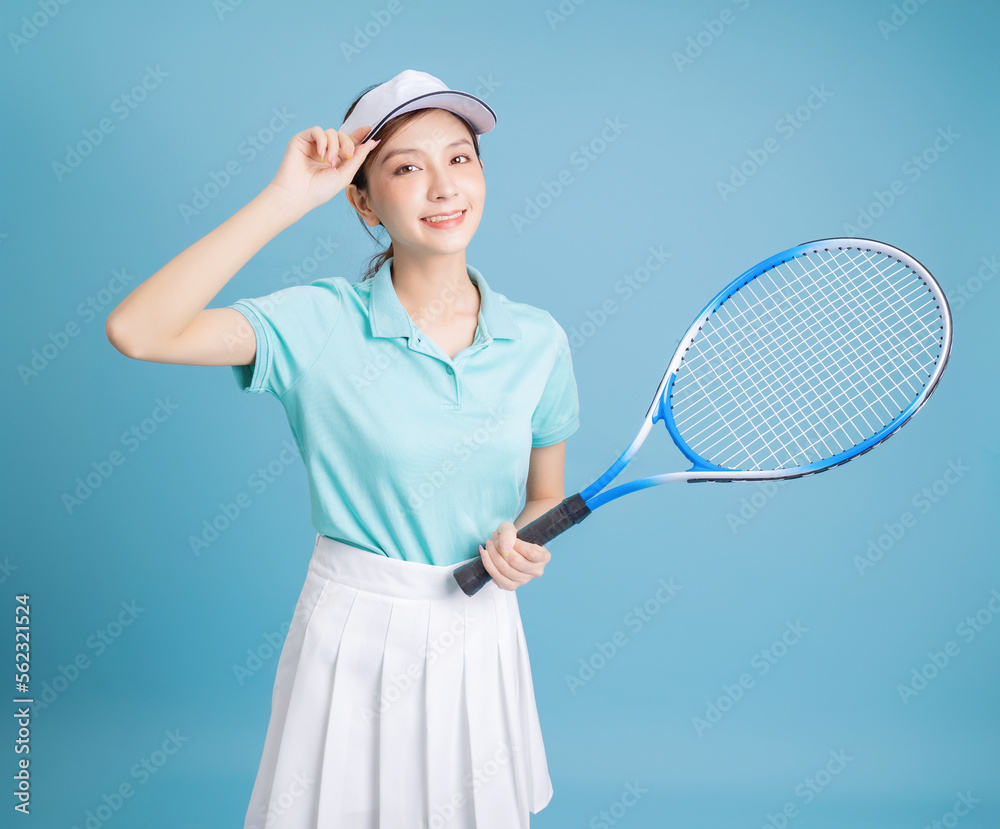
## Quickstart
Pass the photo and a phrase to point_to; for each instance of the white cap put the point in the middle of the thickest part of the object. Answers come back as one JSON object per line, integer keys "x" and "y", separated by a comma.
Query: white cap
{"x": 411, "y": 90}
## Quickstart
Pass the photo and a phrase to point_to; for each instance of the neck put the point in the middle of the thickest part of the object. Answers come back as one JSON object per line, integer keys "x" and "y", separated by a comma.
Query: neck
{"x": 434, "y": 288}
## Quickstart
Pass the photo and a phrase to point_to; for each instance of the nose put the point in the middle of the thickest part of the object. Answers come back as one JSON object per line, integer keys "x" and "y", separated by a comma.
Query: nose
{"x": 442, "y": 184}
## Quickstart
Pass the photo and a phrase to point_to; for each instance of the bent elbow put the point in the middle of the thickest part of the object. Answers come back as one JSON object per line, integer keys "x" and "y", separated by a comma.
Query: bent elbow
{"x": 116, "y": 336}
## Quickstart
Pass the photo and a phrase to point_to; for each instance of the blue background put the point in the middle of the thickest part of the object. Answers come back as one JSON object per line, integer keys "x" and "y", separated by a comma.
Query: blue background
{"x": 696, "y": 88}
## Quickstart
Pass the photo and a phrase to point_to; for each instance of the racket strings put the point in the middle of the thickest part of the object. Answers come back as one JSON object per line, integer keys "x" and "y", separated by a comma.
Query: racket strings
{"x": 803, "y": 347}
{"x": 806, "y": 361}
{"x": 791, "y": 342}
{"x": 900, "y": 349}
{"x": 854, "y": 380}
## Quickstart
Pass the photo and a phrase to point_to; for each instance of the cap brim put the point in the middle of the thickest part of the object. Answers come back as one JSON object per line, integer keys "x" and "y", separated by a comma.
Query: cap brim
{"x": 476, "y": 112}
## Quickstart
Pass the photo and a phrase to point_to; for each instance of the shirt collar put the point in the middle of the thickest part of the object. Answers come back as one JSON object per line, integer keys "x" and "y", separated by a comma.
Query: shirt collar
{"x": 388, "y": 317}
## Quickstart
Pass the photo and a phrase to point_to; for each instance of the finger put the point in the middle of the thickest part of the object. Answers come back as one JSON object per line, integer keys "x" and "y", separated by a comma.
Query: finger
{"x": 313, "y": 135}
{"x": 524, "y": 560}
{"x": 491, "y": 567}
{"x": 357, "y": 156}
{"x": 505, "y": 566}
{"x": 505, "y": 539}
{"x": 361, "y": 134}
{"x": 535, "y": 553}
{"x": 350, "y": 141}
{"x": 341, "y": 145}
{"x": 505, "y": 536}
{"x": 500, "y": 563}
{"x": 523, "y": 564}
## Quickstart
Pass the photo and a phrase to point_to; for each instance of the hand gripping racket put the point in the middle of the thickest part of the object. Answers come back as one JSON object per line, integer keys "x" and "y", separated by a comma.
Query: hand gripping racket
{"x": 804, "y": 362}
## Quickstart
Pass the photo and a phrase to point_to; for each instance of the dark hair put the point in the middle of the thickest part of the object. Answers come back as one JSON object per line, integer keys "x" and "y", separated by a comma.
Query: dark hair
{"x": 360, "y": 179}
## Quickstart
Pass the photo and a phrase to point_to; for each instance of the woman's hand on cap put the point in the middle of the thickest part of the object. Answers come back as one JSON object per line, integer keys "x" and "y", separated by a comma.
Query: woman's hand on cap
{"x": 320, "y": 163}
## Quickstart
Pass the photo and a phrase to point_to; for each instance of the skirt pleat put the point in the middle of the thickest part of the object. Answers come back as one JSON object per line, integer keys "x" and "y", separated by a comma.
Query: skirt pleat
{"x": 399, "y": 702}
{"x": 509, "y": 656}
{"x": 401, "y": 708}
{"x": 284, "y": 773}
{"x": 350, "y": 761}
{"x": 491, "y": 740}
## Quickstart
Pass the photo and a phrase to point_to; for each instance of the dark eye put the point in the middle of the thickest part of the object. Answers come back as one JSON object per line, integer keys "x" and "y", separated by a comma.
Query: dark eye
{"x": 399, "y": 170}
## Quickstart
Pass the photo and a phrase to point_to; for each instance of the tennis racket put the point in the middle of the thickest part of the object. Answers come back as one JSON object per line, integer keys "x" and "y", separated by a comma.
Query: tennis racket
{"x": 805, "y": 362}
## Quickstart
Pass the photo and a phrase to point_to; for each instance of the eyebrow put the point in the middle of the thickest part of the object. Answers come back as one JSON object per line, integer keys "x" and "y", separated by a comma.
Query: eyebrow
{"x": 390, "y": 154}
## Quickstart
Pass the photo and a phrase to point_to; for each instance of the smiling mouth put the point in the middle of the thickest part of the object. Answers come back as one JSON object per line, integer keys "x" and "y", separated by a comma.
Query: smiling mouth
{"x": 445, "y": 219}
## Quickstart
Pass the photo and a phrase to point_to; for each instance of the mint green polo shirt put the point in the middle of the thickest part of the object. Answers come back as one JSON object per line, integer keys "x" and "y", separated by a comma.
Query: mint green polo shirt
{"x": 410, "y": 454}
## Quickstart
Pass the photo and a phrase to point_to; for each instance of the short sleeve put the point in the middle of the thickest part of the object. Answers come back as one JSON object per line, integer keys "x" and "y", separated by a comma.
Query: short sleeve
{"x": 557, "y": 414}
{"x": 291, "y": 327}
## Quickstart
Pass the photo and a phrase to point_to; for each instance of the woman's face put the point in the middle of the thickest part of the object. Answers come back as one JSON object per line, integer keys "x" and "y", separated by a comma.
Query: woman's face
{"x": 427, "y": 169}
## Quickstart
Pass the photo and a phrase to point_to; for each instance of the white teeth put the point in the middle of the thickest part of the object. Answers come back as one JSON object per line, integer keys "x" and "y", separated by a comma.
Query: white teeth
{"x": 444, "y": 218}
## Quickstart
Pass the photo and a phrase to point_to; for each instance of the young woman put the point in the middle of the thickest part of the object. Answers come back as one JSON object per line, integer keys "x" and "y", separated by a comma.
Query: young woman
{"x": 426, "y": 406}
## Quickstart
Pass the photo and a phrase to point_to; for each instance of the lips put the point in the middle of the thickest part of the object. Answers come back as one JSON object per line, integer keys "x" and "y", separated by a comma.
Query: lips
{"x": 458, "y": 217}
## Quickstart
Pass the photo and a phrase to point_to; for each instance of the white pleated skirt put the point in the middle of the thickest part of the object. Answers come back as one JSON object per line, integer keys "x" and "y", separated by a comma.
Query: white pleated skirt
{"x": 399, "y": 702}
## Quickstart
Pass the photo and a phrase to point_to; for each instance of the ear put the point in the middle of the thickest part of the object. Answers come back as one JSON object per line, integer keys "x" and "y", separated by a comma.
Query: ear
{"x": 359, "y": 201}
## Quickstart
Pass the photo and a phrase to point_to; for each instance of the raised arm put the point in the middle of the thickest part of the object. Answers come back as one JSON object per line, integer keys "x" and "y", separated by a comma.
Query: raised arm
{"x": 165, "y": 319}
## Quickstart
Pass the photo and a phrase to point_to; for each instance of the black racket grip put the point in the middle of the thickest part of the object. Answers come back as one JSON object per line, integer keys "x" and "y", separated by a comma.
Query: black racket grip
{"x": 472, "y": 576}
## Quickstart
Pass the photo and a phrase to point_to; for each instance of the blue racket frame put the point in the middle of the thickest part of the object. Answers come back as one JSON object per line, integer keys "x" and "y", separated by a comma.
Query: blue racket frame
{"x": 703, "y": 470}
{"x": 572, "y": 510}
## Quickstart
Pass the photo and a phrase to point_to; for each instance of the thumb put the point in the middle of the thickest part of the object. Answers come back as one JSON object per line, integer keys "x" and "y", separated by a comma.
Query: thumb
{"x": 507, "y": 535}
{"x": 360, "y": 134}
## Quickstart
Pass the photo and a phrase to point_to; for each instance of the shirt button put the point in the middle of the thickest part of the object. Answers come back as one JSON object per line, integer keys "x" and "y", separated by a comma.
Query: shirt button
{"x": 451, "y": 370}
